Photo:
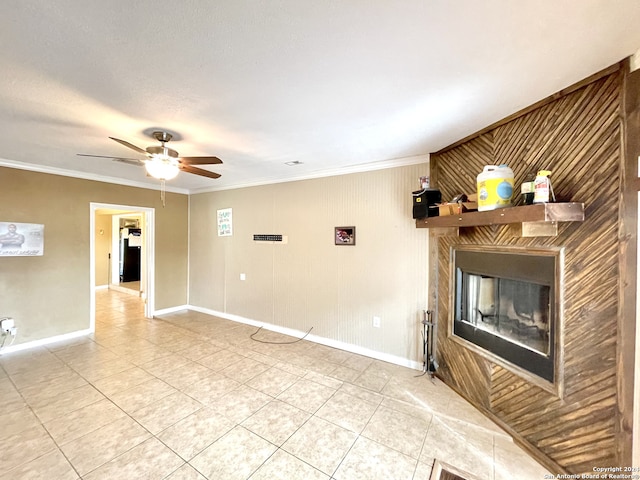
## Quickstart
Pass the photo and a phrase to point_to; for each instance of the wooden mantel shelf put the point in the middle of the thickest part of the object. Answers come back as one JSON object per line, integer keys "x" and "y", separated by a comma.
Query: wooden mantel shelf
{"x": 543, "y": 217}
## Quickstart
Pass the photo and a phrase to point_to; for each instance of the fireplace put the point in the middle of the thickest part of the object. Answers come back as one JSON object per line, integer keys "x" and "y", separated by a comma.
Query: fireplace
{"x": 506, "y": 305}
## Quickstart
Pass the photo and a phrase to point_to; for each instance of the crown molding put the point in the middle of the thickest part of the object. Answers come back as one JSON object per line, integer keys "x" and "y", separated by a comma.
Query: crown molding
{"x": 366, "y": 167}
{"x": 86, "y": 176}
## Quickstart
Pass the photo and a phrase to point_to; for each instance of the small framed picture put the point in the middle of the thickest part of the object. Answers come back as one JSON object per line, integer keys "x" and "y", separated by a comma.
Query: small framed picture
{"x": 345, "y": 235}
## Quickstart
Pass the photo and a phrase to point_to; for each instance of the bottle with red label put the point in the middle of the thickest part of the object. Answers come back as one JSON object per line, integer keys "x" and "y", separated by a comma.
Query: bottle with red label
{"x": 543, "y": 191}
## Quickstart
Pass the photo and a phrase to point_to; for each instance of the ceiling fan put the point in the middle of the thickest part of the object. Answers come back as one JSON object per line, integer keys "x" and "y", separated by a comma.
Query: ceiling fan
{"x": 163, "y": 162}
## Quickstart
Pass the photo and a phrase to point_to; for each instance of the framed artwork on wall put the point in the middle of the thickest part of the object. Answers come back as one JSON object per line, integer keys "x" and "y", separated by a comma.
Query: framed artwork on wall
{"x": 345, "y": 235}
{"x": 21, "y": 239}
{"x": 225, "y": 222}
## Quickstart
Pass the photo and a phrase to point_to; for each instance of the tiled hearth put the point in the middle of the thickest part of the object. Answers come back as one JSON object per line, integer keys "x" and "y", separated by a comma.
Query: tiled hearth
{"x": 189, "y": 396}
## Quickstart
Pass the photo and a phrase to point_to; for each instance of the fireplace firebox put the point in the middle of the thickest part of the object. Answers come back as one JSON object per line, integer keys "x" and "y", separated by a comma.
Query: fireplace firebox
{"x": 506, "y": 304}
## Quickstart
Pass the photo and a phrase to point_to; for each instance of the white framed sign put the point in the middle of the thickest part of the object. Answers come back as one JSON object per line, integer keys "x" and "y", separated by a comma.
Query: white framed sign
{"x": 21, "y": 239}
{"x": 225, "y": 223}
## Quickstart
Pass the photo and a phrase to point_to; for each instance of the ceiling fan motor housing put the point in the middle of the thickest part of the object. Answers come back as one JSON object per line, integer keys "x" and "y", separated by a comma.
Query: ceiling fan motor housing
{"x": 164, "y": 163}
{"x": 162, "y": 151}
{"x": 162, "y": 136}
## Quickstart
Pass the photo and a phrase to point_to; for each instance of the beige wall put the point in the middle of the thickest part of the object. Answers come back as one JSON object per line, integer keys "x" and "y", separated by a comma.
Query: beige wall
{"x": 310, "y": 282}
{"x": 50, "y": 295}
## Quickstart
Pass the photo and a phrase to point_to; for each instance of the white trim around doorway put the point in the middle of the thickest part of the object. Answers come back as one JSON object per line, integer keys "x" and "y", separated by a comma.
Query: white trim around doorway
{"x": 149, "y": 246}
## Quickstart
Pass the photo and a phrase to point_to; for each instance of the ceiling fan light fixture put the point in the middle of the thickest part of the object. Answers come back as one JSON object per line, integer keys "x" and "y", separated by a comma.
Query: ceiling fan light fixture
{"x": 162, "y": 168}
{"x": 162, "y": 162}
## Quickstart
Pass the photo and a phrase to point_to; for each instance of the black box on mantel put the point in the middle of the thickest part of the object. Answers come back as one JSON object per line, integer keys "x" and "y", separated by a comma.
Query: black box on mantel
{"x": 424, "y": 203}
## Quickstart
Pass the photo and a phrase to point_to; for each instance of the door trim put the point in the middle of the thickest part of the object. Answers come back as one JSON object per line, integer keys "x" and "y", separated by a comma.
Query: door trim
{"x": 149, "y": 246}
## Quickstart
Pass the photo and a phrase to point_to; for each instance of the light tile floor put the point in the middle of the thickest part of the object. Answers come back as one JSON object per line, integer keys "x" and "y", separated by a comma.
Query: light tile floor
{"x": 190, "y": 396}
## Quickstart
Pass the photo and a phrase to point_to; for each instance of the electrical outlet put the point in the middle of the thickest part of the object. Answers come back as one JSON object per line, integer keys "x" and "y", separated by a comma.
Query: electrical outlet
{"x": 376, "y": 322}
{"x": 6, "y": 324}
{"x": 243, "y": 276}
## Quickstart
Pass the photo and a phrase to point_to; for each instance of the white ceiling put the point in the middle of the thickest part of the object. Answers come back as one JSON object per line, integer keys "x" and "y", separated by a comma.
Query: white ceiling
{"x": 339, "y": 85}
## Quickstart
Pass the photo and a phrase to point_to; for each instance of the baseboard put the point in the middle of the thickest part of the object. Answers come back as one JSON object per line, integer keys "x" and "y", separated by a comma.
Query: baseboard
{"x": 128, "y": 291}
{"x": 166, "y": 311}
{"x": 101, "y": 287}
{"x": 45, "y": 341}
{"x": 329, "y": 342}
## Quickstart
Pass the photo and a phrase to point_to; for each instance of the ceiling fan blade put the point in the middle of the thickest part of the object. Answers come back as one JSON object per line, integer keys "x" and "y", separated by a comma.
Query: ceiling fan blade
{"x": 200, "y": 160}
{"x": 130, "y": 145}
{"x": 130, "y": 161}
{"x": 198, "y": 171}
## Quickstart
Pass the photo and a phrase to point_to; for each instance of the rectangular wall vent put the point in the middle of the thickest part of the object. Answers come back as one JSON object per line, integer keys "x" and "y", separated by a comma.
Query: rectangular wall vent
{"x": 267, "y": 238}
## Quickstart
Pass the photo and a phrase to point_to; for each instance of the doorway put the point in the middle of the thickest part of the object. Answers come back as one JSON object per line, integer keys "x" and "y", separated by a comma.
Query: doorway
{"x": 106, "y": 245}
{"x": 127, "y": 255}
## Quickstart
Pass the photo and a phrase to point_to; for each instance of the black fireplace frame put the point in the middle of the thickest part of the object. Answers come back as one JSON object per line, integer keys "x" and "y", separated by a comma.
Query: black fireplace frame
{"x": 542, "y": 266}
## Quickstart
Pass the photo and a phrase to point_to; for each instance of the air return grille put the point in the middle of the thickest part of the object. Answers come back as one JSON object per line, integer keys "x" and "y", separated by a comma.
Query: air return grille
{"x": 267, "y": 238}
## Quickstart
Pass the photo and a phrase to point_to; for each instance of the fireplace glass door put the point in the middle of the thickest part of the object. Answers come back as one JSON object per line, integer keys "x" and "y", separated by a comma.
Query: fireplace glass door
{"x": 504, "y": 303}
{"x": 514, "y": 310}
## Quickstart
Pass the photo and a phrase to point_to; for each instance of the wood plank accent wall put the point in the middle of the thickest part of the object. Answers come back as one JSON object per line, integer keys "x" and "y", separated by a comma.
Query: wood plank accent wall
{"x": 577, "y": 135}
{"x": 628, "y": 265}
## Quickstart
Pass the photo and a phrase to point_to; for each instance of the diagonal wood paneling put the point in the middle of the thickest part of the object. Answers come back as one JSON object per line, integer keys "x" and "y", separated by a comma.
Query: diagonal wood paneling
{"x": 578, "y": 137}
{"x": 461, "y": 166}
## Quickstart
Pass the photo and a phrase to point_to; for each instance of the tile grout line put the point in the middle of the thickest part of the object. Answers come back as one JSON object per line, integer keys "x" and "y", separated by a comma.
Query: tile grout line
{"x": 343, "y": 381}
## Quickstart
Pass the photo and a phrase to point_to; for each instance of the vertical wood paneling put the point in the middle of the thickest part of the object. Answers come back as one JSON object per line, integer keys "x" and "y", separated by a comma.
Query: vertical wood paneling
{"x": 628, "y": 374}
{"x": 578, "y": 137}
